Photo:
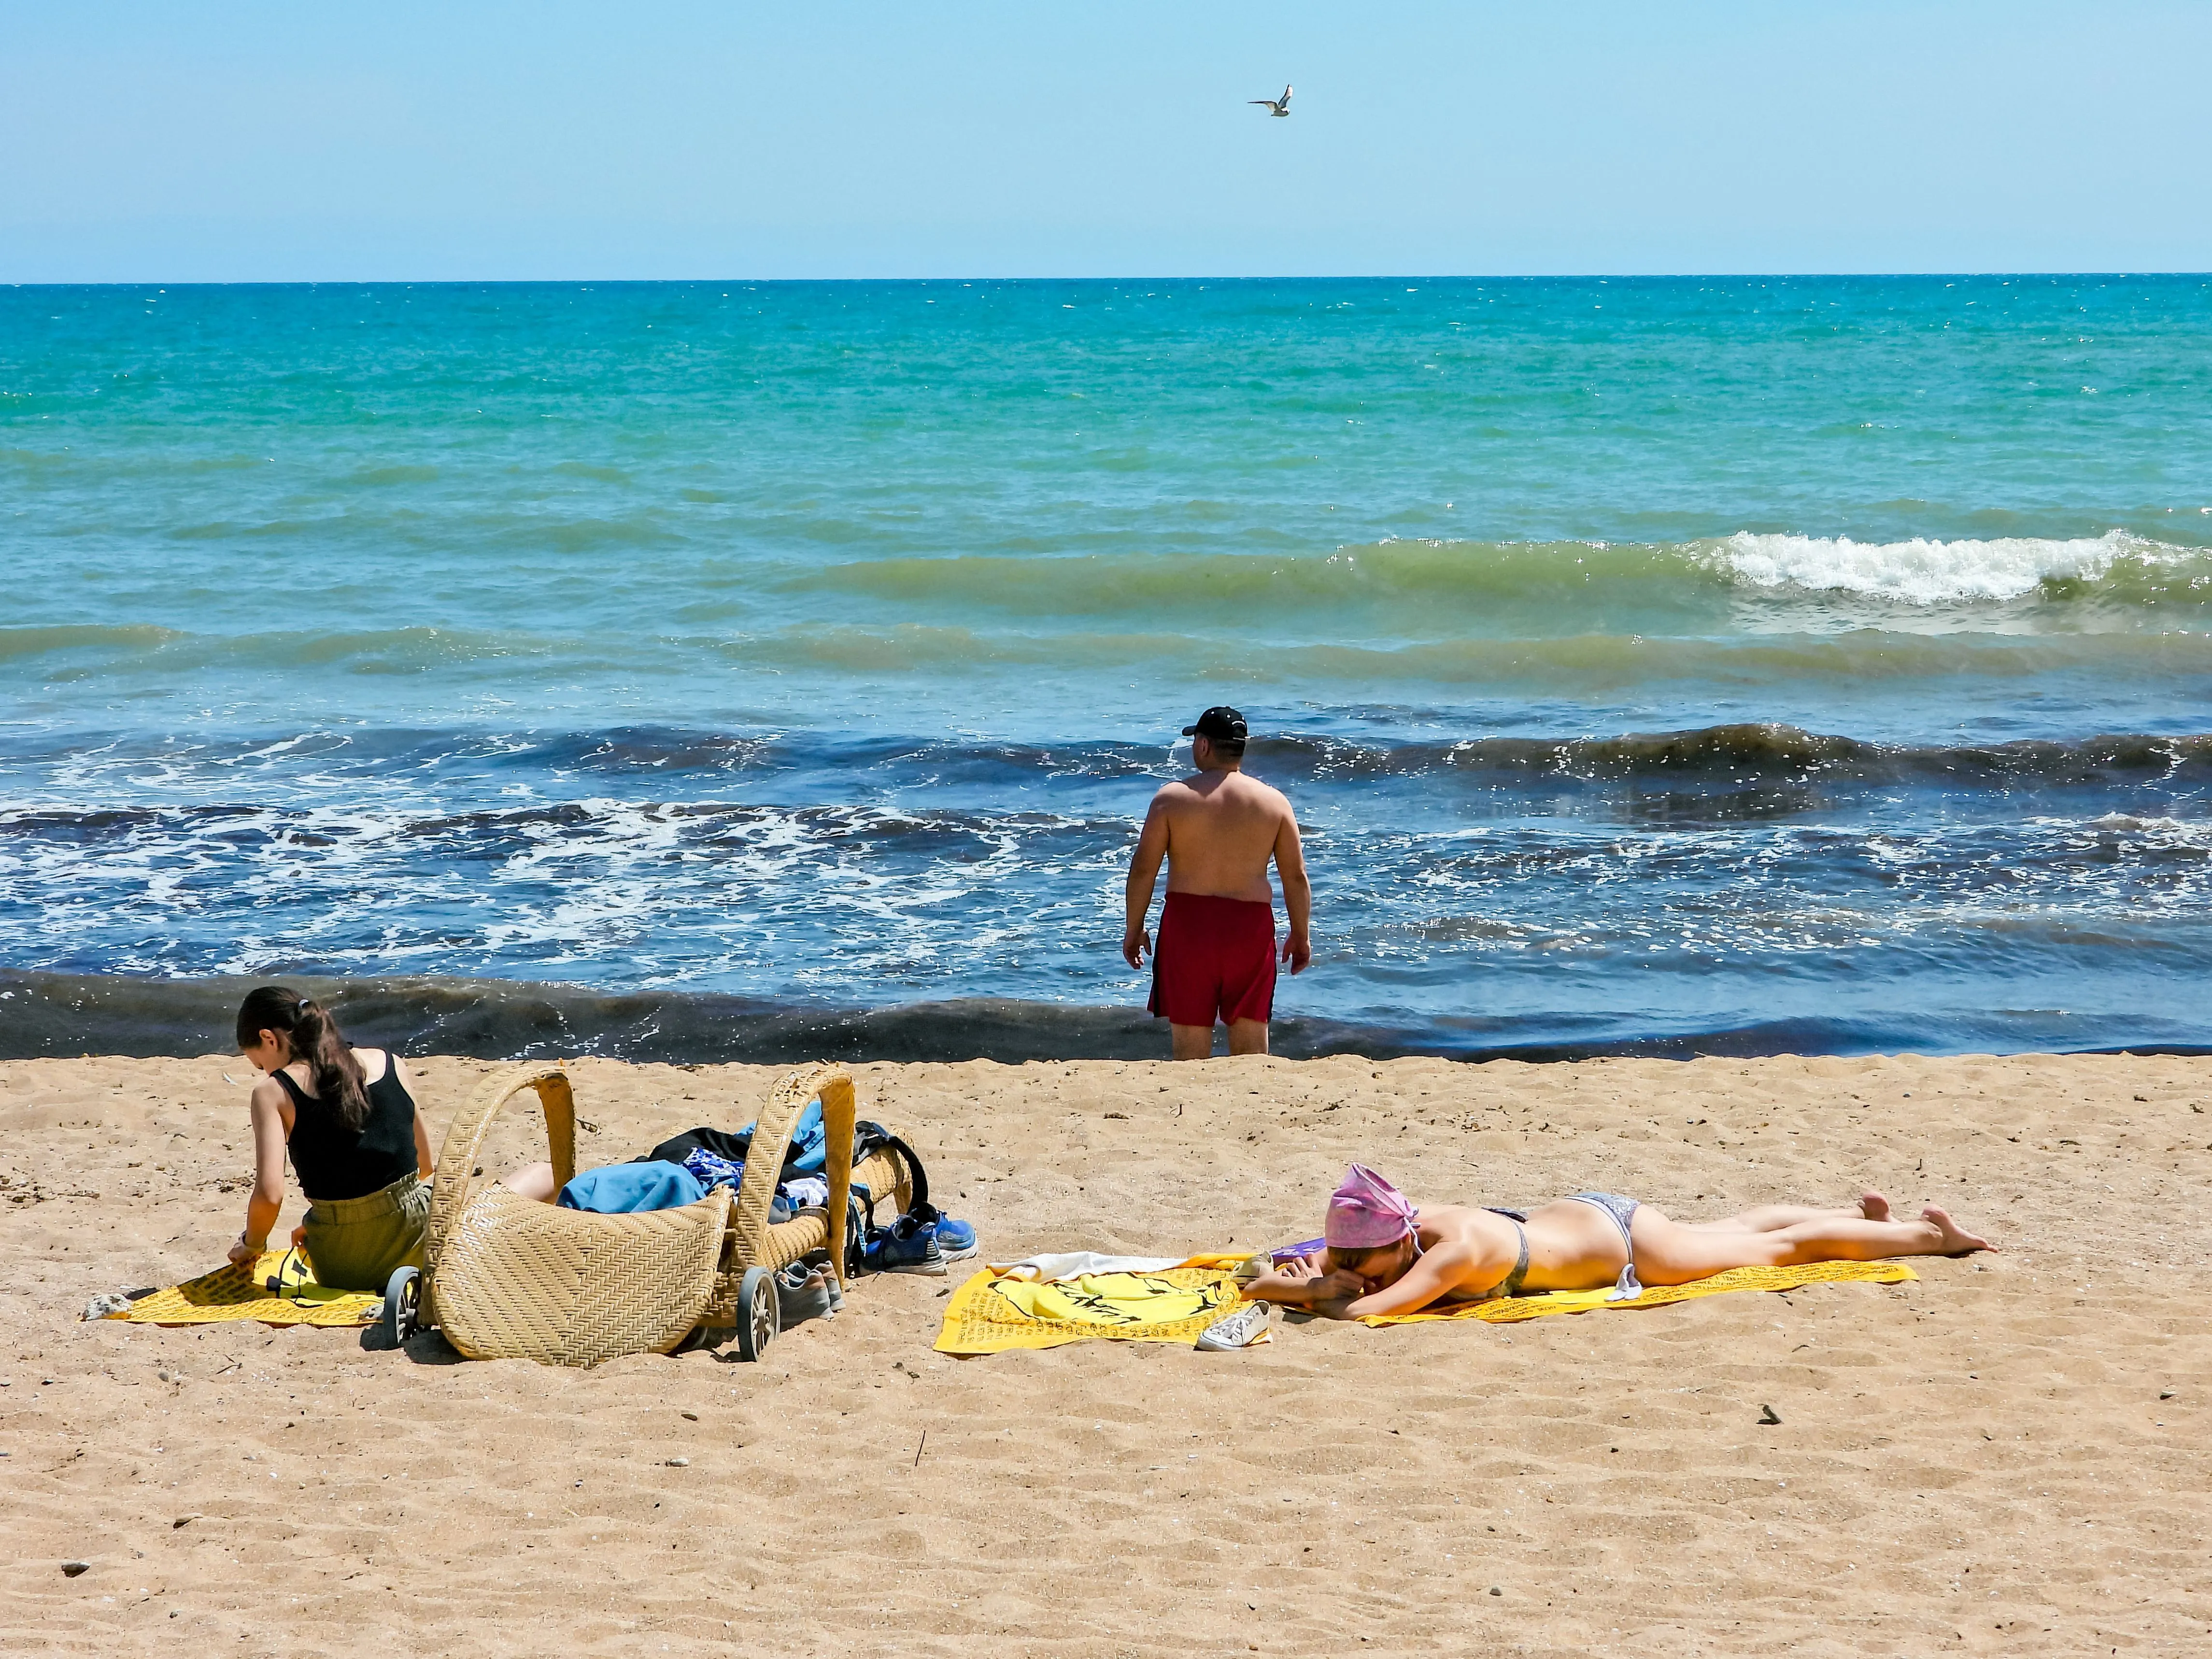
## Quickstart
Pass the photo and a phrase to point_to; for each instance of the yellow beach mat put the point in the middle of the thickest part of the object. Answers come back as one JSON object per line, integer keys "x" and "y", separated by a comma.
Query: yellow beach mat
{"x": 995, "y": 1311}
{"x": 1513, "y": 1309}
{"x": 232, "y": 1293}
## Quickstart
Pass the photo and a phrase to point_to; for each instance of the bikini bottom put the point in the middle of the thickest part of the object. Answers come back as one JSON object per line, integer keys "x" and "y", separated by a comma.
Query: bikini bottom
{"x": 1622, "y": 1211}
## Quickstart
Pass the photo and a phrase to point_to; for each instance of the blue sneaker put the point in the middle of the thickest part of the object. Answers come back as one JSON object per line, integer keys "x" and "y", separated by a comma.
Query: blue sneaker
{"x": 955, "y": 1239}
{"x": 907, "y": 1246}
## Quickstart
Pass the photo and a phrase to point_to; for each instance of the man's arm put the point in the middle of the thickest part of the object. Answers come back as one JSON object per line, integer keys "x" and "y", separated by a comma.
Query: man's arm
{"x": 1144, "y": 872}
{"x": 1297, "y": 893}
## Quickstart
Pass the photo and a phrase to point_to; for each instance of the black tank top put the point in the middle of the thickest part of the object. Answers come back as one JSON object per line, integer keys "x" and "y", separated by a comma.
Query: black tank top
{"x": 334, "y": 1162}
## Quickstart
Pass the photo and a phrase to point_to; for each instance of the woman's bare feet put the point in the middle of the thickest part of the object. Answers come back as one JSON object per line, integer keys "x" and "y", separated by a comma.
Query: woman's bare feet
{"x": 1956, "y": 1240}
{"x": 1873, "y": 1206}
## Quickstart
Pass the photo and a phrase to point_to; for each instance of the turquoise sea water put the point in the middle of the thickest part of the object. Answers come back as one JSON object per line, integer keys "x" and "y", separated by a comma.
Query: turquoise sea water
{"x": 821, "y": 643}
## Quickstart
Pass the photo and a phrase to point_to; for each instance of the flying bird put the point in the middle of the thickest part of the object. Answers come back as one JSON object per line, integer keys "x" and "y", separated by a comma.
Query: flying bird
{"x": 1275, "y": 106}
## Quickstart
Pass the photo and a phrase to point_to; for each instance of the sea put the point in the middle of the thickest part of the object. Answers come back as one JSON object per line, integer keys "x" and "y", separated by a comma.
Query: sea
{"x": 697, "y": 670}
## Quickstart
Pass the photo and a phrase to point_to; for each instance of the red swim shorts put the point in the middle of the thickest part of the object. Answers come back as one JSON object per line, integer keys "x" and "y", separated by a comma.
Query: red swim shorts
{"x": 1216, "y": 959}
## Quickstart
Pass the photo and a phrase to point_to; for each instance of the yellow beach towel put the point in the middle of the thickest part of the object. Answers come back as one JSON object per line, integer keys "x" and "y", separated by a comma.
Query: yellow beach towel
{"x": 234, "y": 1293}
{"x": 1510, "y": 1309}
{"x": 994, "y": 1312}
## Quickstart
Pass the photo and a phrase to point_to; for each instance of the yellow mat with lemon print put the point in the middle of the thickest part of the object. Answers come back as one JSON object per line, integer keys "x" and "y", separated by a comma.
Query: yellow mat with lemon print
{"x": 279, "y": 1289}
{"x": 991, "y": 1312}
{"x": 994, "y": 1312}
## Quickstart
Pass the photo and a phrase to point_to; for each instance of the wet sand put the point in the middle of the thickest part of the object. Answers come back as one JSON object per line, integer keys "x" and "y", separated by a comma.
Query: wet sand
{"x": 1981, "y": 1461}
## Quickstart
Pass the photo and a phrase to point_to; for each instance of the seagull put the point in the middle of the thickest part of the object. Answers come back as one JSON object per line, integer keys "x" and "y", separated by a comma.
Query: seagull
{"x": 1274, "y": 105}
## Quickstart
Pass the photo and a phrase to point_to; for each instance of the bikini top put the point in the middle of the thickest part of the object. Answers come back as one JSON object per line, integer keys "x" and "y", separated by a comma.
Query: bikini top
{"x": 1510, "y": 1284}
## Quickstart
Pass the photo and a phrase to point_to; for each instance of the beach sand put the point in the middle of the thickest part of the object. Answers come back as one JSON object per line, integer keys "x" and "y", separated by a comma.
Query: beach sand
{"x": 1981, "y": 1462}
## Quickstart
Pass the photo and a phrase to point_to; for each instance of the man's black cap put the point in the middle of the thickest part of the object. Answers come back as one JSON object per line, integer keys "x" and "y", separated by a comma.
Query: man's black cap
{"x": 1222, "y": 724}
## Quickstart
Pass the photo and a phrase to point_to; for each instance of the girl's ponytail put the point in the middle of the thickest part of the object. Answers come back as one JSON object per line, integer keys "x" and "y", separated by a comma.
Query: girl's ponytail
{"x": 313, "y": 1035}
{"x": 331, "y": 1065}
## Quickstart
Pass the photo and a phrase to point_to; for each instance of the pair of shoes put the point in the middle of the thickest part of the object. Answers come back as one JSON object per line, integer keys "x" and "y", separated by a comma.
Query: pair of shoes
{"x": 803, "y": 1292}
{"x": 909, "y": 1245}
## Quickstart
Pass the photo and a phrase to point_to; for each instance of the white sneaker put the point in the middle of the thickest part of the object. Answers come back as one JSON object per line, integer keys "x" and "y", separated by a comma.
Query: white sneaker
{"x": 1239, "y": 1328}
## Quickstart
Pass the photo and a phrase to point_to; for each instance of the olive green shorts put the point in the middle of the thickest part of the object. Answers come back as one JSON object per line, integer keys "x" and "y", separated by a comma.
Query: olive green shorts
{"x": 354, "y": 1244}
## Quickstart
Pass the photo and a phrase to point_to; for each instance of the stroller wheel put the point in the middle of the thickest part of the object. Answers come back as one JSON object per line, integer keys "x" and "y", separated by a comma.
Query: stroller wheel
{"x": 403, "y": 1304}
{"x": 759, "y": 1318}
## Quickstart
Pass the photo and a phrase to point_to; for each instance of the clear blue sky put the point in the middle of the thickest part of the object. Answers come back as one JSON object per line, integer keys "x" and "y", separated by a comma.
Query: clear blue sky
{"x": 145, "y": 140}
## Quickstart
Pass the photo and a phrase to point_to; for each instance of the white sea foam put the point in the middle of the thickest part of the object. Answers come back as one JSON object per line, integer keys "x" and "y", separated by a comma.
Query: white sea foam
{"x": 1930, "y": 573}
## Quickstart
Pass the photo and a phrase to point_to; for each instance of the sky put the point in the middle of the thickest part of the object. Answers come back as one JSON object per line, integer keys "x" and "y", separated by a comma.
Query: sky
{"x": 229, "y": 140}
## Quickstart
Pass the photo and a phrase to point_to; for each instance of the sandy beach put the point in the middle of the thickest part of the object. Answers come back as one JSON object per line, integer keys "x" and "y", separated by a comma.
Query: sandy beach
{"x": 2006, "y": 1456}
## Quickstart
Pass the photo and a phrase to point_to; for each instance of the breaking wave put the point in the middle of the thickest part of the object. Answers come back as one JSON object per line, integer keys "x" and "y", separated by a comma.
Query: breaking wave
{"x": 1921, "y": 572}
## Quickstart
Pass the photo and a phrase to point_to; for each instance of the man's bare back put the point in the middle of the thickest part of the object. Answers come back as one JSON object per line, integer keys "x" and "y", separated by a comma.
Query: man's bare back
{"x": 1221, "y": 829}
{"x": 1217, "y": 830}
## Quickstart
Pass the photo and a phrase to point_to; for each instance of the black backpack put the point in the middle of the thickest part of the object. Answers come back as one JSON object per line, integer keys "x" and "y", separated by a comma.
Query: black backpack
{"x": 869, "y": 1138}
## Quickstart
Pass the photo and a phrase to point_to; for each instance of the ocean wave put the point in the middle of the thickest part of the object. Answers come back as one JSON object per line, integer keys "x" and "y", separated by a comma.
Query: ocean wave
{"x": 1434, "y": 583}
{"x": 21, "y": 643}
{"x": 1582, "y": 665}
{"x": 1204, "y": 585}
{"x": 404, "y": 650}
{"x": 940, "y": 780}
{"x": 1925, "y": 572}
{"x": 1766, "y": 752}
{"x": 520, "y": 664}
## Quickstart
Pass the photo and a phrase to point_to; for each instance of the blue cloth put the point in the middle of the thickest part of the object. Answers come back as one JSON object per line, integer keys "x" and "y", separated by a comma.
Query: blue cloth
{"x": 713, "y": 1171}
{"x": 628, "y": 1188}
{"x": 809, "y": 1153}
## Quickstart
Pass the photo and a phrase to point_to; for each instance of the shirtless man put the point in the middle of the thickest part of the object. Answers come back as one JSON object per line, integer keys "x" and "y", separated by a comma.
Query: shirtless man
{"x": 1217, "y": 829}
{"x": 1384, "y": 1256}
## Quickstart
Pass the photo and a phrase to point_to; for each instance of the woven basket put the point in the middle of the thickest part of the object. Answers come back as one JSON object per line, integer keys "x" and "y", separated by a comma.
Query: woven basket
{"x": 754, "y": 1240}
{"x": 510, "y": 1277}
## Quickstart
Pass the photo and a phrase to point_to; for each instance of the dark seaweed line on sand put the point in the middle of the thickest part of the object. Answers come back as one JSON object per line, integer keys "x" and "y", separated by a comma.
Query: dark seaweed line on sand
{"x": 44, "y": 1016}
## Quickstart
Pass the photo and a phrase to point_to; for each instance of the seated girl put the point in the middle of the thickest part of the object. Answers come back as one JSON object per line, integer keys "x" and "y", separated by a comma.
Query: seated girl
{"x": 345, "y": 1117}
{"x": 1385, "y": 1256}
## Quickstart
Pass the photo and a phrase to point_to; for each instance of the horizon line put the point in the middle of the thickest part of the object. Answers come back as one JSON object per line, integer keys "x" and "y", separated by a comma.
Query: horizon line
{"x": 1385, "y": 276}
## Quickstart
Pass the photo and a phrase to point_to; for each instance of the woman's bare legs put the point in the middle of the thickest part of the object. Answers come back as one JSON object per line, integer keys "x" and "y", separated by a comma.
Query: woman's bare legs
{"x": 1669, "y": 1253}
{"x": 1772, "y": 1218}
{"x": 532, "y": 1180}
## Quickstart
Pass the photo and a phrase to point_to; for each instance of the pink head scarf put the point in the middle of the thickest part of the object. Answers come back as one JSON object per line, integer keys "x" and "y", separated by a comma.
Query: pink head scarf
{"x": 1367, "y": 1213}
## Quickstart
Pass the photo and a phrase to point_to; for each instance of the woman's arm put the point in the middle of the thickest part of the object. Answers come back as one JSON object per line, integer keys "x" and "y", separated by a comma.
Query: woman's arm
{"x": 423, "y": 1164}
{"x": 267, "y": 1201}
{"x": 1299, "y": 1283}
{"x": 1434, "y": 1274}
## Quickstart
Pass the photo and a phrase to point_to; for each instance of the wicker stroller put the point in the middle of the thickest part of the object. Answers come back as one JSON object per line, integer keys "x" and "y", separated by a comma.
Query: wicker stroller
{"x": 509, "y": 1278}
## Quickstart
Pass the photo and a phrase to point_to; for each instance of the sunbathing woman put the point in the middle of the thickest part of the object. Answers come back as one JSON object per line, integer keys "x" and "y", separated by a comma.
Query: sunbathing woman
{"x": 354, "y": 1137}
{"x": 1384, "y": 1256}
